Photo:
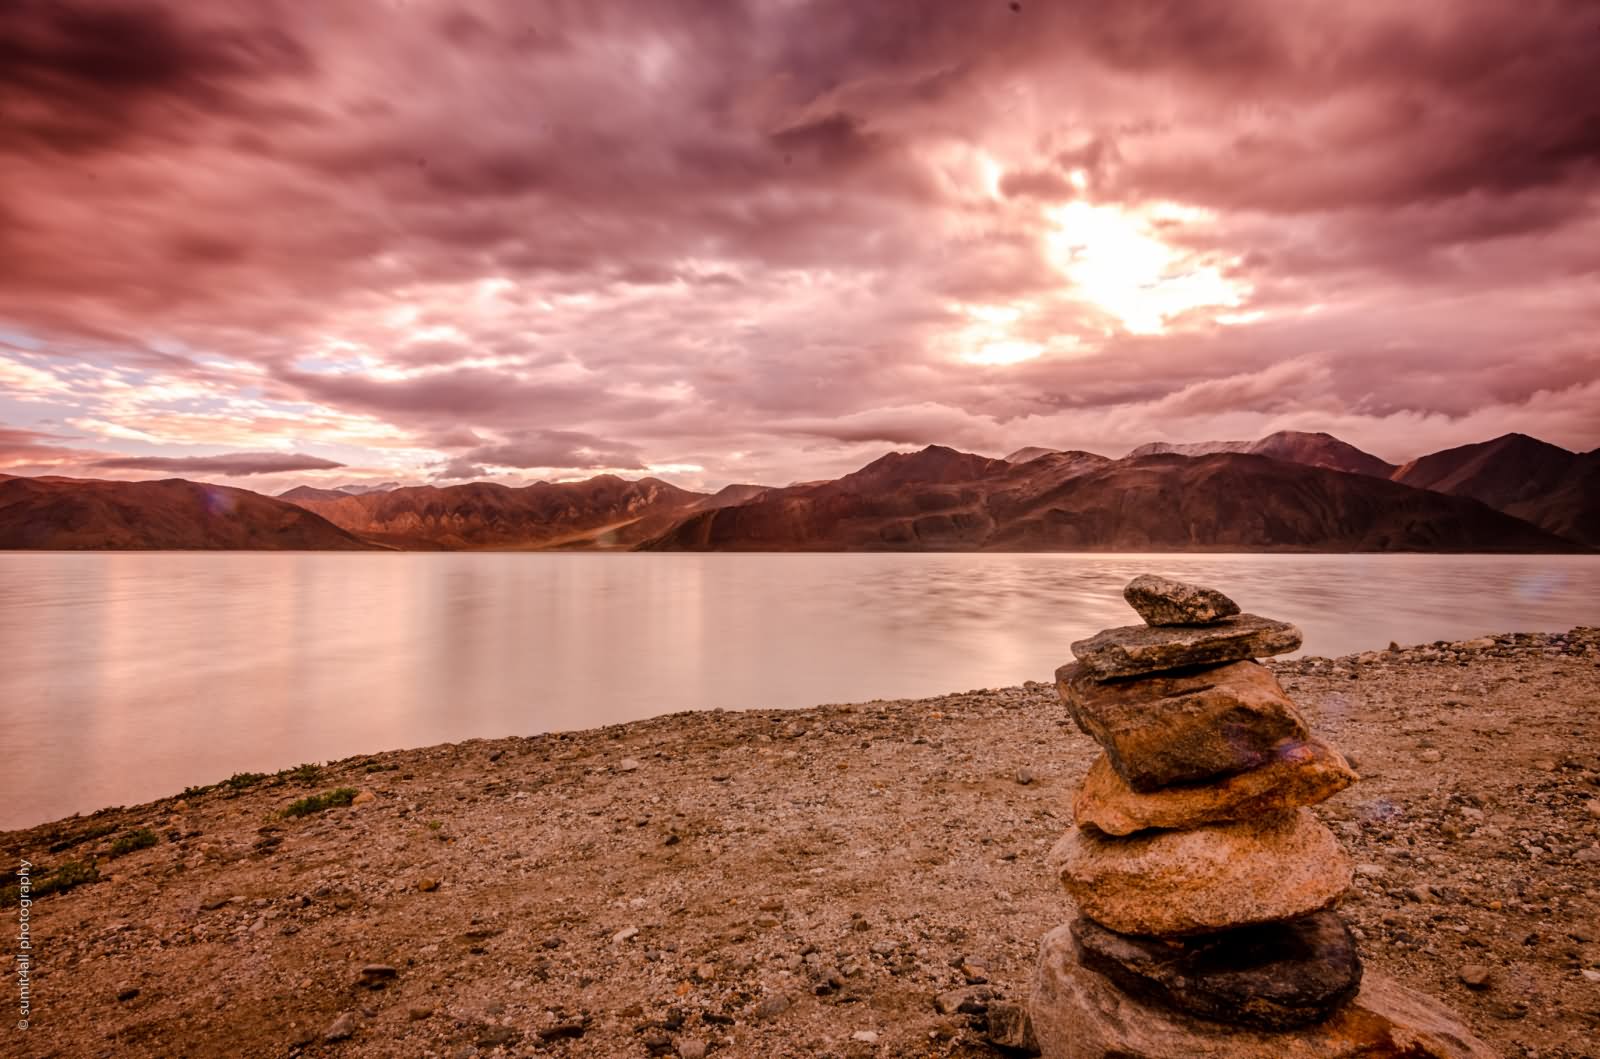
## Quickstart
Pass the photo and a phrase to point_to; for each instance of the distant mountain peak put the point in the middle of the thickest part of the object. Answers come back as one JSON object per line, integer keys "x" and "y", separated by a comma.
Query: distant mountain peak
{"x": 1031, "y": 452}
{"x": 935, "y": 464}
{"x": 1319, "y": 449}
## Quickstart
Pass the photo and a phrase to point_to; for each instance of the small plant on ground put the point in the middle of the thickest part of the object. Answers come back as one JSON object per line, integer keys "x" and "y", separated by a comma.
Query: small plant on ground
{"x": 88, "y": 834}
{"x": 316, "y": 803}
{"x": 243, "y": 780}
{"x": 303, "y": 774}
{"x": 71, "y": 874}
{"x": 143, "y": 838}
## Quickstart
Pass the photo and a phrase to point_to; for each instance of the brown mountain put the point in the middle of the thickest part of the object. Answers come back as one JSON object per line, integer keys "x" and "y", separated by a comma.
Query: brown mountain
{"x": 1522, "y": 476}
{"x": 317, "y": 492}
{"x": 602, "y": 512}
{"x": 1296, "y": 446}
{"x": 311, "y": 492}
{"x": 1031, "y": 452}
{"x": 940, "y": 499}
{"x": 73, "y": 513}
{"x": 729, "y": 495}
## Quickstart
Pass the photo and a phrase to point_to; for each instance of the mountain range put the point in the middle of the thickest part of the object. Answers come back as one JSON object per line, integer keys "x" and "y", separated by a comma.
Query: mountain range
{"x": 602, "y": 512}
{"x": 76, "y": 513}
{"x": 1289, "y": 491}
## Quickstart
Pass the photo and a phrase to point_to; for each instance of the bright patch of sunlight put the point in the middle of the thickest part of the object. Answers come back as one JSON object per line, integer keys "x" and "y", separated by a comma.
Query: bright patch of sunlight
{"x": 988, "y": 338}
{"x": 1118, "y": 262}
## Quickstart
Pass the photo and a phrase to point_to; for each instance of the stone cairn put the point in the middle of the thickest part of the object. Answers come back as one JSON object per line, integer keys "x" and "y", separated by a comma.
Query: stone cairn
{"x": 1205, "y": 888}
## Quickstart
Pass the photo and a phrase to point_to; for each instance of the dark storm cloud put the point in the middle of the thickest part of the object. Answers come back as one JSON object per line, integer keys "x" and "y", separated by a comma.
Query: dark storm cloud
{"x": 575, "y": 235}
{"x": 77, "y": 76}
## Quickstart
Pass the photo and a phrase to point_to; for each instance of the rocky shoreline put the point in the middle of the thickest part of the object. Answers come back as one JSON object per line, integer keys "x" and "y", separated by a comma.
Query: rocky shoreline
{"x": 850, "y": 880}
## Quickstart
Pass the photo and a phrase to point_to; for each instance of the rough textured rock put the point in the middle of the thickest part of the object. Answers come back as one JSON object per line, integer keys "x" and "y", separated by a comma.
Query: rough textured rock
{"x": 1208, "y": 879}
{"x": 1273, "y": 976}
{"x": 1183, "y": 727}
{"x": 1300, "y": 774}
{"x": 1163, "y": 601}
{"x": 1132, "y": 650}
{"x": 1009, "y": 1027}
{"x": 1078, "y": 1014}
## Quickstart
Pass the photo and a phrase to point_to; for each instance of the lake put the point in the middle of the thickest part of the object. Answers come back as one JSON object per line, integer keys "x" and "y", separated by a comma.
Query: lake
{"x": 128, "y": 676}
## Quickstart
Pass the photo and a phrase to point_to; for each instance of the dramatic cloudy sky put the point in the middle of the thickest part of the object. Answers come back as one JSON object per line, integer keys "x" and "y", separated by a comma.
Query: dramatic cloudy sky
{"x": 275, "y": 241}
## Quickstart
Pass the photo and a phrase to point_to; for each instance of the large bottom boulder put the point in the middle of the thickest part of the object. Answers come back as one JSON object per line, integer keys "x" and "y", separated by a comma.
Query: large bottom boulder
{"x": 1079, "y": 1014}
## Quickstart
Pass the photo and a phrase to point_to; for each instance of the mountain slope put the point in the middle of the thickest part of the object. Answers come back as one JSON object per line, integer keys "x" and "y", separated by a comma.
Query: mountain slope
{"x": 1295, "y": 446}
{"x": 602, "y": 512}
{"x": 1237, "y": 501}
{"x": 1031, "y": 452}
{"x": 310, "y": 492}
{"x": 942, "y": 500}
{"x": 729, "y": 495}
{"x": 1522, "y": 476}
{"x": 74, "y": 513}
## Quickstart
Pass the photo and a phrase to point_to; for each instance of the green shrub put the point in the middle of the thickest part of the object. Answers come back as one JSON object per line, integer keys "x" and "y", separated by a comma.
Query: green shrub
{"x": 143, "y": 838}
{"x": 88, "y": 834}
{"x": 316, "y": 803}
{"x": 241, "y": 780}
{"x": 303, "y": 774}
{"x": 71, "y": 874}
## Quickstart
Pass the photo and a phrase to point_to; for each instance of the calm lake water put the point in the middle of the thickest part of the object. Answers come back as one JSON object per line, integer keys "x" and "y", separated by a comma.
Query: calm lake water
{"x": 127, "y": 676}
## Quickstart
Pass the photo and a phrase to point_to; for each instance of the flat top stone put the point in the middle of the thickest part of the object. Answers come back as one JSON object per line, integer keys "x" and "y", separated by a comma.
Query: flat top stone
{"x": 1163, "y": 601}
{"x": 1133, "y": 650}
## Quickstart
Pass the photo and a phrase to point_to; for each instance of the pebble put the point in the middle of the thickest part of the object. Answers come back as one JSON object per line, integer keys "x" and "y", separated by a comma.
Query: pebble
{"x": 342, "y": 1028}
{"x": 1025, "y": 776}
{"x": 692, "y": 1048}
{"x": 970, "y": 1001}
{"x": 628, "y": 764}
{"x": 625, "y": 934}
{"x": 1430, "y": 757}
{"x": 772, "y": 1007}
{"x": 427, "y": 885}
{"x": 1011, "y": 1028}
{"x": 364, "y": 798}
{"x": 865, "y": 1036}
{"x": 561, "y": 1031}
{"x": 495, "y": 1036}
{"x": 1475, "y": 976}
{"x": 127, "y": 992}
{"x": 376, "y": 975}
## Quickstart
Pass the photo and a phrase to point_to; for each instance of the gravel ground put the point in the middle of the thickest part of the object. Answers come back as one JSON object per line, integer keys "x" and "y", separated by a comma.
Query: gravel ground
{"x": 810, "y": 883}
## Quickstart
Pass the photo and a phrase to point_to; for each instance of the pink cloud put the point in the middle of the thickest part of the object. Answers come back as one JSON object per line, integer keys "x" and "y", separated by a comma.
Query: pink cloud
{"x": 231, "y": 465}
{"x": 750, "y": 237}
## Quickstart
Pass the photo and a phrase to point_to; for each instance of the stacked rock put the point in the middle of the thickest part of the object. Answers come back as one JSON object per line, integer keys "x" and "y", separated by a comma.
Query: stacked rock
{"x": 1205, "y": 886}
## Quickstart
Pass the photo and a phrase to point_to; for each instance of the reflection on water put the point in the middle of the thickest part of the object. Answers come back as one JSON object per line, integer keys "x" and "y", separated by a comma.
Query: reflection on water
{"x": 129, "y": 676}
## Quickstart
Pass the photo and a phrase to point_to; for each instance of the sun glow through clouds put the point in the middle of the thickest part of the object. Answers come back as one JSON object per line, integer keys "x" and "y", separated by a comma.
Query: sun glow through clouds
{"x": 988, "y": 339}
{"x": 1116, "y": 260}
